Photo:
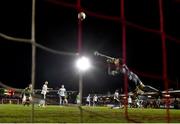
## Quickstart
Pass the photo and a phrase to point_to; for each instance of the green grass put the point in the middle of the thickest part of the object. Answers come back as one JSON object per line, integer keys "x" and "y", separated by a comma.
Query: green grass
{"x": 70, "y": 114}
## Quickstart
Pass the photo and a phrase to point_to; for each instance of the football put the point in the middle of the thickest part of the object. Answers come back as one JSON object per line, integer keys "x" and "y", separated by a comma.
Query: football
{"x": 81, "y": 16}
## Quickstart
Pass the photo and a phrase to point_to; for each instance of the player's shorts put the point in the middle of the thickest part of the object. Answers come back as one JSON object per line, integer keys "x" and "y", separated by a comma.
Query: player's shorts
{"x": 62, "y": 97}
{"x": 95, "y": 102}
{"x": 43, "y": 96}
{"x": 26, "y": 98}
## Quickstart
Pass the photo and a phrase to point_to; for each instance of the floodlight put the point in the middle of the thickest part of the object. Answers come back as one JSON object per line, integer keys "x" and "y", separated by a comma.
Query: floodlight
{"x": 83, "y": 63}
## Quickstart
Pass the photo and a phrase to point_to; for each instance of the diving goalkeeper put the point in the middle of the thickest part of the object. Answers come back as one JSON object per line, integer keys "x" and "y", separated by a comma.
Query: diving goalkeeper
{"x": 122, "y": 68}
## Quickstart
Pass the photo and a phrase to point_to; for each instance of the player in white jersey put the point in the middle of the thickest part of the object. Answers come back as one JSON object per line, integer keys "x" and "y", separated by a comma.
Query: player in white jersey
{"x": 95, "y": 99}
{"x": 88, "y": 100}
{"x": 130, "y": 101}
{"x": 44, "y": 91}
{"x": 62, "y": 95}
{"x": 116, "y": 100}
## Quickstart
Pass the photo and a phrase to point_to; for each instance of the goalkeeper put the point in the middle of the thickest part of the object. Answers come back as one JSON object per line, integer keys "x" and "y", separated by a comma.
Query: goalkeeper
{"x": 122, "y": 68}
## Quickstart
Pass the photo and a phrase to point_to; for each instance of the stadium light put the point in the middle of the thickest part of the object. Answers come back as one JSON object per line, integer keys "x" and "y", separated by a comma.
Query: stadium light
{"x": 83, "y": 63}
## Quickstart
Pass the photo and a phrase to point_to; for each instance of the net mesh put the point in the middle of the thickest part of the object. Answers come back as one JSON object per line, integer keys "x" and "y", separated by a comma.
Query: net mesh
{"x": 153, "y": 32}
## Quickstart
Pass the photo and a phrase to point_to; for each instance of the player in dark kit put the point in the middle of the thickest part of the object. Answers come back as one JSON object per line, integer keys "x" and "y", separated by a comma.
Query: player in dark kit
{"x": 27, "y": 95}
{"x": 123, "y": 69}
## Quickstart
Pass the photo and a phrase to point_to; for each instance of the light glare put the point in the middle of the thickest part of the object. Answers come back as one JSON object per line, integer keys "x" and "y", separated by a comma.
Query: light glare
{"x": 83, "y": 64}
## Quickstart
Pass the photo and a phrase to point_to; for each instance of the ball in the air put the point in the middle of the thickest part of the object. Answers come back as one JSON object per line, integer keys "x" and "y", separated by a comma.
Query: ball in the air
{"x": 81, "y": 16}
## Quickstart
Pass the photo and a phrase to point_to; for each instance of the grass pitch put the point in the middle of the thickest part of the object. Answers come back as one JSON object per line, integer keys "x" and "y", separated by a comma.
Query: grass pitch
{"x": 72, "y": 114}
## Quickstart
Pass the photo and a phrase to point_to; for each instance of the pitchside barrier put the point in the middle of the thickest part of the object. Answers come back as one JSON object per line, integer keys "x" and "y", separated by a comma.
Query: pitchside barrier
{"x": 10, "y": 101}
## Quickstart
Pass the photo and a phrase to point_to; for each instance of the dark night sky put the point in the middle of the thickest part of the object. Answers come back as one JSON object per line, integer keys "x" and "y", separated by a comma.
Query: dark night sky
{"x": 56, "y": 27}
